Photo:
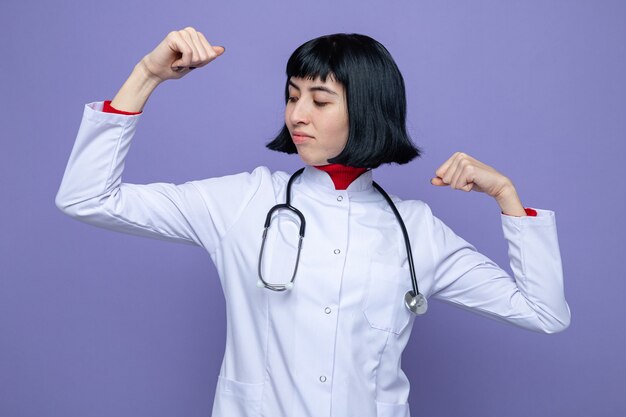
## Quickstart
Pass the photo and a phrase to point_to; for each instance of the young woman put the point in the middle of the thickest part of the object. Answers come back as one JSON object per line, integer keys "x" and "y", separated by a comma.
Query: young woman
{"x": 316, "y": 327}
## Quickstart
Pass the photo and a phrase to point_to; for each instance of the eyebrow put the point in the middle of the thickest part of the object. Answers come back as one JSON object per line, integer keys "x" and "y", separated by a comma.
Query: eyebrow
{"x": 314, "y": 88}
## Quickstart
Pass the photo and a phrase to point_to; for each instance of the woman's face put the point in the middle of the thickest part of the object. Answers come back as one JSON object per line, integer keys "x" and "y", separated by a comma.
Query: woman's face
{"x": 317, "y": 118}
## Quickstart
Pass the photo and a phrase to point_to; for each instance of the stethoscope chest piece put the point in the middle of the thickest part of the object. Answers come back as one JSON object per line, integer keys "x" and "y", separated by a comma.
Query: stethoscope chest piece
{"x": 416, "y": 304}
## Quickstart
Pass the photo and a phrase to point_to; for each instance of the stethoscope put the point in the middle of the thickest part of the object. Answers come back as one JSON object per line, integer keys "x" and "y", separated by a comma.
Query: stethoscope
{"x": 414, "y": 301}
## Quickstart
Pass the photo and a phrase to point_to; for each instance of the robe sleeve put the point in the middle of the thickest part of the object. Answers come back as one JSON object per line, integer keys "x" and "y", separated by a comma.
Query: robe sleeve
{"x": 197, "y": 212}
{"x": 532, "y": 297}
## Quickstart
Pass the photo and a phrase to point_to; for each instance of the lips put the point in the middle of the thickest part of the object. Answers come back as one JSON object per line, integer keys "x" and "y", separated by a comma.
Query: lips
{"x": 300, "y": 137}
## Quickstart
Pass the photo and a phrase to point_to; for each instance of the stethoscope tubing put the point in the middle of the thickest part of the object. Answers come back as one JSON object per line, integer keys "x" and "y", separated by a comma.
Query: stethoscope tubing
{"x": 407, "y": 242}
{"x": 414, "y": 301}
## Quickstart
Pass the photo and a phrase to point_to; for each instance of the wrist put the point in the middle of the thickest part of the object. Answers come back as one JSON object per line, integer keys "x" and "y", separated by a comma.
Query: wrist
{"x": 145, "y": 75}
{"x": 136, "y": 90}
{"x": 509, "y": 201}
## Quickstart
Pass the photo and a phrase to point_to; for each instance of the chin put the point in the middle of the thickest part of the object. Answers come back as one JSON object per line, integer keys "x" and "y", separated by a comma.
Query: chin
{"x": 312, "y": 161}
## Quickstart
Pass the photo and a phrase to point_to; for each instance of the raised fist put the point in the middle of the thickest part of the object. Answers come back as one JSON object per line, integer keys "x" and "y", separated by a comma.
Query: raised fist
{"x": 180, "y": 52}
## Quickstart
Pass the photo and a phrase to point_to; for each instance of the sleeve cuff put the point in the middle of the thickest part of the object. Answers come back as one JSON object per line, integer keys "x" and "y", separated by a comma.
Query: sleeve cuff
{"x": 107, "y": 108}
{"x": 529, "y": 212}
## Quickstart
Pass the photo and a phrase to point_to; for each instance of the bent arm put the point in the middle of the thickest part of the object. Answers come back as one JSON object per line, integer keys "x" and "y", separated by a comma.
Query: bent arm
{"x": 92, "y": 190}
{"x": 533, "y": 298}
{"x": 196, "y": 212}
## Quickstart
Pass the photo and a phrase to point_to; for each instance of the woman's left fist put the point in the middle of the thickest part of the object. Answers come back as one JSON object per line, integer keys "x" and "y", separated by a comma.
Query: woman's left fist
{"x": 462, "y": 172}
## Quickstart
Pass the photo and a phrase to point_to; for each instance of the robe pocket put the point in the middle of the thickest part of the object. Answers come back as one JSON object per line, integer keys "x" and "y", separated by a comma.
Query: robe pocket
{"x": 384, "y": 306}
{"x": 234, "y": 398}
{"x": 392, "y": 410}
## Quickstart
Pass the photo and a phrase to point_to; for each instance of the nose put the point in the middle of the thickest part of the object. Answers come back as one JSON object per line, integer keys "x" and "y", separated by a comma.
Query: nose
{"x": 298, "y": 113}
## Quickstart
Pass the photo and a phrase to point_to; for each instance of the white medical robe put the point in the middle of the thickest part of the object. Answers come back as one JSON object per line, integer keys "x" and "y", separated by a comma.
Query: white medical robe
{"x": 332, "y": 345}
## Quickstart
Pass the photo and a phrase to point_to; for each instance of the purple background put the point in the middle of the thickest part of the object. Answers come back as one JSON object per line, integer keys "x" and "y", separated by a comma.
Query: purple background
{"x": 95, "y": 323}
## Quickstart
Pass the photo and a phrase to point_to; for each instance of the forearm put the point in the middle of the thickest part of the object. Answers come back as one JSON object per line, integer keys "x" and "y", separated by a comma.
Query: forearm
{"x": 96, "y": 162}
{"x": 535, "y": 260}
{"x": 135, "y": 92}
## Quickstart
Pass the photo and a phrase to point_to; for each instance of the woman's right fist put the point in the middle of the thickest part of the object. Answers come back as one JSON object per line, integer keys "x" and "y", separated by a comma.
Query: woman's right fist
{"x": 180, "y": 52}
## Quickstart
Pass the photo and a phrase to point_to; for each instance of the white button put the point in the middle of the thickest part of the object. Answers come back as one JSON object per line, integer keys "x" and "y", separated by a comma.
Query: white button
{"x": 340, "y": 198}
{"x": 327, "y": 310}
{"x": 323, "y": 378}
{"x": 337, "y": 251}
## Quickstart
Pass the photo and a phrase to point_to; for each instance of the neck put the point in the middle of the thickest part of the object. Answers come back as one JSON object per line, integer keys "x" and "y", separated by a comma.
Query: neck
{"x": 341, "y": 175}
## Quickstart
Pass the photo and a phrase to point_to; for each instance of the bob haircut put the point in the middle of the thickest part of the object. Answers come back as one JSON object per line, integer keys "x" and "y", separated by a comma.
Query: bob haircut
{"x": 375, "y": 97}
